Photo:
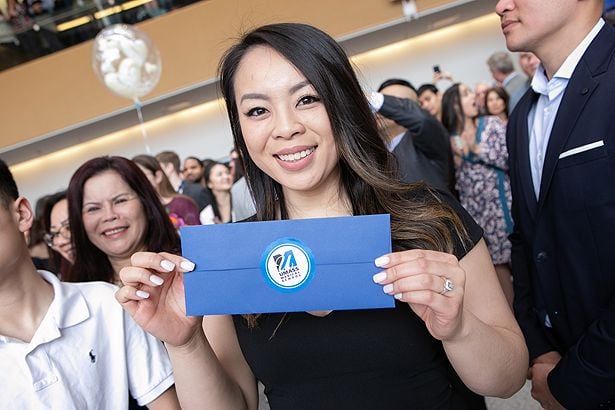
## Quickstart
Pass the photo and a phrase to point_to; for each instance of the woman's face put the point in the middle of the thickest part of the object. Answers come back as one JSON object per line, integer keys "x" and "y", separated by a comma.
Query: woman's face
{"x": 495, "y": 103}
{"x": 59, "y": 228}
{"x": 468, "y": 101}
{"x": 220, "y": 178}
{"x": 113, "y": 216}
{"x": 284, "y": 123}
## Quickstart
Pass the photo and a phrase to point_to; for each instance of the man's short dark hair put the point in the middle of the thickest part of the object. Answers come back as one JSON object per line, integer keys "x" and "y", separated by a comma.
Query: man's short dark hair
{"x": 427, "y": 87}
{"x": 396, "y": 81}
{"x": 8, "y": 187}
{"x": 167, "y": 157}
{"x": 194, "y": 159}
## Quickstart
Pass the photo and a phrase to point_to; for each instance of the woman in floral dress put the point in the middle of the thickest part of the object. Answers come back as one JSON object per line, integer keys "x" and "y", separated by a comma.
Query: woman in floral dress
{"x": 479, "y": 148}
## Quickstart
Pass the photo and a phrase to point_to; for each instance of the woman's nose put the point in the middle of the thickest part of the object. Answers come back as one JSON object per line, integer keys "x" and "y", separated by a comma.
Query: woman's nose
{"x": 109, "y": 213}
{"x": 287, "y": 124}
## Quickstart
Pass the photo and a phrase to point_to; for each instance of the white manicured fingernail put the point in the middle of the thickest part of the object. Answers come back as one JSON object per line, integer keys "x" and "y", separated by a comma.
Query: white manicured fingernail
{"x": 398, "y": 296}
{"x": 157, "y": 280}
{"x": 382, "y": 261}
{"x": 167, "y": 265}
{"x": 379, "y": 277}
{"x": 142, "y": 294}
{"x": 388, "y": 288}
{"x": 187, "y": 266}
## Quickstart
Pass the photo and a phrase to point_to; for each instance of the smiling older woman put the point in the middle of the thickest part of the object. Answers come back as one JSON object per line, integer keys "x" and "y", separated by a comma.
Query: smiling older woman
{"x": 114, "y": 212}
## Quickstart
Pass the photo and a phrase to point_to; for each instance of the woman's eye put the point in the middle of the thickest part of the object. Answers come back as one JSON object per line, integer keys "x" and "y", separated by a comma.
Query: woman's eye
{"x": 119, "y": 201}
{"x": 256, "y": 111}
{"x": 90, "y": 209}
{"x": 308, "y": 99}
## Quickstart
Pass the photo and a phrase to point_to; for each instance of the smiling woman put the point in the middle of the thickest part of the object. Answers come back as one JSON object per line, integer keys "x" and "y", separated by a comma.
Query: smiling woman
{"x": 219, "y": 182}
{"x": 113, "y": 213}
{"x": 311, "y": 148}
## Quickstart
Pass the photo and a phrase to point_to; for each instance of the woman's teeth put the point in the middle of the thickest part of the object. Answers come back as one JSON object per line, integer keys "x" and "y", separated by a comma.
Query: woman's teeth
{"x": 296, "y": 156}
{"x": 113, "y": 231}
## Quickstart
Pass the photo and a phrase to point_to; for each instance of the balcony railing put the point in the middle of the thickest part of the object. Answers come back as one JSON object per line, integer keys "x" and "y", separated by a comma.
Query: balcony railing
{"x": 35, "y": 28}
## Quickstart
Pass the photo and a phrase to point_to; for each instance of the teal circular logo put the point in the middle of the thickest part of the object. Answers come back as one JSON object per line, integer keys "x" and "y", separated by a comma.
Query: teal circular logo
{"x": 287, "y": 264}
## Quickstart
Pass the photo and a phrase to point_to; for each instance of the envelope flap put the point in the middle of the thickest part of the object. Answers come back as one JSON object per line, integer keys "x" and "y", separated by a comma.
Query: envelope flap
{"x": 339, "y": 240}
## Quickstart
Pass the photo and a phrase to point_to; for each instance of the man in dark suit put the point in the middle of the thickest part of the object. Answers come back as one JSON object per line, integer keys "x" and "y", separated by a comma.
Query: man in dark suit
{"x": 417, "y": 139}
{"x": 561, "y": 144}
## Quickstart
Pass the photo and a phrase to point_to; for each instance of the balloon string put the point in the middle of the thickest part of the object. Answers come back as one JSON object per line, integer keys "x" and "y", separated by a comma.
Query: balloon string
{"x": 148, "y": 151}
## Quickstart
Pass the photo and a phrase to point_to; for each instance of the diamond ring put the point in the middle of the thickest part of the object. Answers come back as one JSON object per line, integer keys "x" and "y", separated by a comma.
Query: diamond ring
{"x": 448, "y": 286}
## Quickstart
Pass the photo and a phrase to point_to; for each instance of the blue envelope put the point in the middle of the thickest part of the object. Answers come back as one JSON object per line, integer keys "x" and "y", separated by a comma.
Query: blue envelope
{"x": 286, "y": 266}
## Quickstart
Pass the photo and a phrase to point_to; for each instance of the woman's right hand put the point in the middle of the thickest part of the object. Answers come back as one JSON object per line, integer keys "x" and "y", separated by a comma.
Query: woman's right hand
{"x": 458, "y": 146}
{"x": 153, "y": 294}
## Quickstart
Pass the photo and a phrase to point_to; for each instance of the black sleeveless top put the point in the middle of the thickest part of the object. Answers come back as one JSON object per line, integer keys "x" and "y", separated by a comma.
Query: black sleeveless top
{"x": 355, "y": 359}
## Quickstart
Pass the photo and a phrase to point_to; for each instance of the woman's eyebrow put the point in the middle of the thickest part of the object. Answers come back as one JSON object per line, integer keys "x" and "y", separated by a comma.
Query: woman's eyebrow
{"x": 259, "y": 96}
{"x": 298, "y": 86}
{"x": 254, "y": 96}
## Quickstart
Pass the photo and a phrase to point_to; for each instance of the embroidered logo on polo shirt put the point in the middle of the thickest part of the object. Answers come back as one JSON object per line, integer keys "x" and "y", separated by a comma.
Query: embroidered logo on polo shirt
{"x": 92, "y": 356}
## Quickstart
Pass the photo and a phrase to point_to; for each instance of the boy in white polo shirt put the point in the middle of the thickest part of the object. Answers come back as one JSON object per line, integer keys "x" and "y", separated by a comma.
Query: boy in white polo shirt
{"x": 68, "y": 345}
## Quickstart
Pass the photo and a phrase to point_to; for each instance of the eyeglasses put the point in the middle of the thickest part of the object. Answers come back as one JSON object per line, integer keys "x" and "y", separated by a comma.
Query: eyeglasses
{"x": 51, "y": 236}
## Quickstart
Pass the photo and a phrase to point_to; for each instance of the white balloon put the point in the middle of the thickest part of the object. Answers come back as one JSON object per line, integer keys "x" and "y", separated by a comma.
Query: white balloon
{"x": 141, "y": 49}
{"x": 113, "y": 83}
{"x": 129, "y": 74}
{"x": 107, "y": 67}
{"x": 130, "y": 50}
{"x": 126, "y": 61}
{"x": 111, "y": 55}
{"x": 150, "y": 68}
{"x": 108, "y": 43}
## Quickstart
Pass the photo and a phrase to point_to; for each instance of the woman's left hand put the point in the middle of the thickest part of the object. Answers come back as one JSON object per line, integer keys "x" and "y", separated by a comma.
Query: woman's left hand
{"x": 431, "y": 282}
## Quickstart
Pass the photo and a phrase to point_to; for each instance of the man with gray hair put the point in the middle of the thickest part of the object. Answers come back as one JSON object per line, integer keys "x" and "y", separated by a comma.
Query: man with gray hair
{"x": 503, "y": 71}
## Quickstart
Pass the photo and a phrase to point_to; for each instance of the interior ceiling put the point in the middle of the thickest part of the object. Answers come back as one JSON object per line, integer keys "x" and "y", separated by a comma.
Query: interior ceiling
{"x": 394, "y": 31}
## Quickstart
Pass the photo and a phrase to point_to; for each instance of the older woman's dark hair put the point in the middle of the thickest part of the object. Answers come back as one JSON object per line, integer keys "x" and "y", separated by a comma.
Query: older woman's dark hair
{"x": 367, "y": 168}
{"x": 501, "y": 92}
{"x": 90, "y": 262}
{"x": 453, "y": 117}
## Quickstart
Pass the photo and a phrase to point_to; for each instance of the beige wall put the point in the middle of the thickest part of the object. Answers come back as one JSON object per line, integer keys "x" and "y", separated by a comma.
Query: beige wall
{"x": 203, "y": 130}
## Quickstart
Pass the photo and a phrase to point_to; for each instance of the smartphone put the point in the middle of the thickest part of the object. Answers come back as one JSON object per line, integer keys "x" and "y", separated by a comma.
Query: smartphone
{"x": 436, "y": 68}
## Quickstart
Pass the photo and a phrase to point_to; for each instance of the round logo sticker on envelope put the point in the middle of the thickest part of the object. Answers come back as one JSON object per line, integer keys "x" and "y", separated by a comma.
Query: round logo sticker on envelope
{"x": 287, "y": 264}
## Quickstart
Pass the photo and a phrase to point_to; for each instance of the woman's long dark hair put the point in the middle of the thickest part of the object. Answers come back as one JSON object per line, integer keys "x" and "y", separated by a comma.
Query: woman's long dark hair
{"x": 367, "y": 168}
{"x": 90, "y": 262}
{"x": 453, "y": 116}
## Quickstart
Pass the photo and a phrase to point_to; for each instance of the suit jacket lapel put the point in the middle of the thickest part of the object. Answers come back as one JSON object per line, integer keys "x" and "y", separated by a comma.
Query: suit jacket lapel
{"x": 523, "y": 144}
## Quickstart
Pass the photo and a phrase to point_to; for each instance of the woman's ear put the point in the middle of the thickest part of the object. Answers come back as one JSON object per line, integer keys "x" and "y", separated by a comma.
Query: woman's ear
{"x": 23, "y": 214}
